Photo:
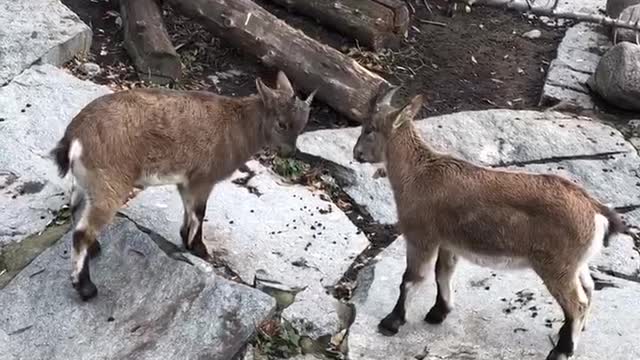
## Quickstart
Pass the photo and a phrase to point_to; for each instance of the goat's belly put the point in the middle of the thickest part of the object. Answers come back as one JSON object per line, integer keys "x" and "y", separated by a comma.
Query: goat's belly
{"x": 160, "y": 180}
{"x": 494, "y": 261}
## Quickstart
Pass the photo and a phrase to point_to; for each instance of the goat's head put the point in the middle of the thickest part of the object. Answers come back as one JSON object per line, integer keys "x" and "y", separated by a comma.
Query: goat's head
{"x": 285, "y": 114}
{"x": 385, "y": 118}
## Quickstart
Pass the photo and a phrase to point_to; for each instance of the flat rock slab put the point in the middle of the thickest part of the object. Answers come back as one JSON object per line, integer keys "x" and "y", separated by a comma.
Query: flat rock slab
{"x": 272, "y": 230}
{"x": 583, "y": 6}
{"x": 591, "y": 153}
{"x": 498, "y": 315}
{"x": 578, "y": 57}
{"x": 149, "y": 306}
{"x": 38, "y": 30}
{"x": 35, "y": 109}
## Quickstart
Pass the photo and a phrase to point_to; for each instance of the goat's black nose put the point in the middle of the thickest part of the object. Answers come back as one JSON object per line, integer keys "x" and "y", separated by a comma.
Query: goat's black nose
{"x": 358, "y": 155}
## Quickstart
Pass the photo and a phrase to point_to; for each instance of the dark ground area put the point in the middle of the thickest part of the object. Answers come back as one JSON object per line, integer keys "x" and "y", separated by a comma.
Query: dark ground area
{"x": 478, "y": 61}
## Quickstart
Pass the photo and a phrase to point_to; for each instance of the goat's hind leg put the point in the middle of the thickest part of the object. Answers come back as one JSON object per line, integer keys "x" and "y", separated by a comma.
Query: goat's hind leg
{"x": 419, "y": 263}
{"x": 568, "y": 291}
{"x": 445, "y": 267}
{"x": 96, "y": 213}
{"x": 78, "y": 204}
{"x": 588, "y": 286}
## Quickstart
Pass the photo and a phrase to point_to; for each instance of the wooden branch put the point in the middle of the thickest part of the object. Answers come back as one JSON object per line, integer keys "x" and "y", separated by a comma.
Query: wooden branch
{"x": 523, "y": 7}
{"x": 148, "y": 43}
{"x": 374, "y": 23}
{"x": 341, "y": 82}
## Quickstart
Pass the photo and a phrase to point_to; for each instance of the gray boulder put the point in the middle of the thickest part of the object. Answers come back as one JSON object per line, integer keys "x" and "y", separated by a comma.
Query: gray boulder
{"x": 630, "y": 14}
{"x": 38, "y": 31}
{"x": 617, "y": 77}
{"x": 149, "y": 306}
{"x": 284, "y": 235}
{"x": 615, "y": 7}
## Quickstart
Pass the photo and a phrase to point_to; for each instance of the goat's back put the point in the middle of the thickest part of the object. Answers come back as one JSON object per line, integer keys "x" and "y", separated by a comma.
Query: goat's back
{"x": 496, "y": 213}
{"x": 160, "y": 130}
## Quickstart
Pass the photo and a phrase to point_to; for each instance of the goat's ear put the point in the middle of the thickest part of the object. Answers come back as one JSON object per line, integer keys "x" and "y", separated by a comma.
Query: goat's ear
{"x": 284, "y": 84}
{"x": 266, "y": 93}
{"x": 409, "y": 111}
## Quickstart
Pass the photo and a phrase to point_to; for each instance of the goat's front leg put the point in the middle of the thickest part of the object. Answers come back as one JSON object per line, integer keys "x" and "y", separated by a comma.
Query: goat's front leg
{"x": 419, "y": 263}
{"x": 445, "y": 267}
{"x": 194, "y": 199}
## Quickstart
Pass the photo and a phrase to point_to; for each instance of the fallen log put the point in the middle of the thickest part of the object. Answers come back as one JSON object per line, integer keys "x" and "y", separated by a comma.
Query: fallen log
{"x": 148, "y": 43}
{"x": 376, "y": 24}
{"x": 341, "y": 82}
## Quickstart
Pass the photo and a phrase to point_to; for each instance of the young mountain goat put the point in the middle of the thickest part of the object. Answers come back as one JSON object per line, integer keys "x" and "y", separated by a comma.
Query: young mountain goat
{"x": 152, "y": 137}
{"x": 449, "y": 208}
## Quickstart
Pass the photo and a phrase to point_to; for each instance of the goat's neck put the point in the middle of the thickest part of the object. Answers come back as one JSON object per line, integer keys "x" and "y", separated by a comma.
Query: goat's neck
{"x": 255, "y": 127}
{"x": 405, "y": 152}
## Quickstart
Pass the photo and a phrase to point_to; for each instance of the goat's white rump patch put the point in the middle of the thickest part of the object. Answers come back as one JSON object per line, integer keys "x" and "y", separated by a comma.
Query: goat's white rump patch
{"x": 78, "y": 169}
{"x": 600, "y": 227}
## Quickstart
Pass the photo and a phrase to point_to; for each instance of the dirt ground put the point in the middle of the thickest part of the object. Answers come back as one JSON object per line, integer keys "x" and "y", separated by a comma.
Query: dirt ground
{"x": 477, "y": 61}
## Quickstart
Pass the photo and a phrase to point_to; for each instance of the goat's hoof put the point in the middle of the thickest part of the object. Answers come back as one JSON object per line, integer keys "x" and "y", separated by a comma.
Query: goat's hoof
{"x": 436, "y": 315}
{"x": 87, "y": 290}
{"x": 198, "y": 249}
{"x": 390, "y": 325}
{"x": 95, "y": 249}
{"x": 557, "y": 355}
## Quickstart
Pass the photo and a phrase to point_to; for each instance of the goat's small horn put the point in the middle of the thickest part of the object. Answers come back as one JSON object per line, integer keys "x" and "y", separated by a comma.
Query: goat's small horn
{"x": 389, "y": 95}
{"x": 310, "y": 97}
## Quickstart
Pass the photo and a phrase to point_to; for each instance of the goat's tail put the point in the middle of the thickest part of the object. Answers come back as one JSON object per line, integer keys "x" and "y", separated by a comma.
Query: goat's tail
{"x": 616, "y": 225}
{"x": 61, "y": 156}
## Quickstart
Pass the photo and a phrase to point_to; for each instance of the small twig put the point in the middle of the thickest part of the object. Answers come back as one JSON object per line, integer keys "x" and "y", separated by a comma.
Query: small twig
{"x": 429, "y": 22}
{"x": 36, "y": 273}
{"x": 426, "y": 4}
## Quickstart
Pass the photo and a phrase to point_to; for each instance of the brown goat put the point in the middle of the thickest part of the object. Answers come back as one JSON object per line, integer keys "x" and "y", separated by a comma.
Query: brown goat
{"x": 150, "y": 137}
{"x": 449, "y": 208}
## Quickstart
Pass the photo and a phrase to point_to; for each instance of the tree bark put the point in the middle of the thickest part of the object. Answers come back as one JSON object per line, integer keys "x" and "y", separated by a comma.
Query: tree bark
{"x": 148, "y": 43}
{"x": 376, "y": 24}
{"x": 341, "y": 82}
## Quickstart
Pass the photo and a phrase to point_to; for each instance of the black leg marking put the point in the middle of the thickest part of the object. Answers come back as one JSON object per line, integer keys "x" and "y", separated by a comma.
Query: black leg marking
{"x": 564, "y": 347}
{"x": 391, "y": 323}
{"x": 197, "y": 246}
{"x": 439, "y": 311}
{"x": 85, "y": 288}
{"x": 184, "y": 235}
{"x": 95, "y": 249}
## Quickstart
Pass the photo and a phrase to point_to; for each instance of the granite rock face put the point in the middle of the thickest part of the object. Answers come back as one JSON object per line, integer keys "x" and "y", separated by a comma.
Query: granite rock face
{"x": 35, "y": 31}
{"x": 269, "y": 230}
{"x": 149, "y": 306}
{"x": 578, "y": 56}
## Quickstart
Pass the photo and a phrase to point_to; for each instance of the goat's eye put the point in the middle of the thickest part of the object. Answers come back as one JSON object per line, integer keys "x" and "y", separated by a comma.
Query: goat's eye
{"x": 282, "y": 126}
